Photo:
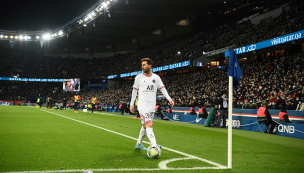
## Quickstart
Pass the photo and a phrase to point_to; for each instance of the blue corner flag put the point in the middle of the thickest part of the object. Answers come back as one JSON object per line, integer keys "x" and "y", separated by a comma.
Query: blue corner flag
{"x": 234, "y": 68}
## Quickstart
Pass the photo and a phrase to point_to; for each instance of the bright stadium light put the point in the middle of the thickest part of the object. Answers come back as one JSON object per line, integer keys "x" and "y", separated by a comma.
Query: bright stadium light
{"x": 60, "y": 33}
{"x": 1, "y": 36}
{"x": 85, "y": 19}
{"x": 55, "y": 34}
{"x": 28, "y": 37}
{"x": 16, "y": 37}
{"x": 37, "y": 37}
{"x": 46, "y": 36}
{"x": 5, "y": 36}
{"x": 93, "y": 13}
{"x": 84, "y": 25}
{"x": 108, "y": 2}
{"x": 20, "y": 37}
{"x": 11, "y": 36}
{"x": 104, "y": 5}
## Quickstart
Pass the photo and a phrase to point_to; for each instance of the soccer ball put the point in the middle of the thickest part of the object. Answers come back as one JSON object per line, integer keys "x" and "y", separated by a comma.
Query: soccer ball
{"x": 153, "y": 152}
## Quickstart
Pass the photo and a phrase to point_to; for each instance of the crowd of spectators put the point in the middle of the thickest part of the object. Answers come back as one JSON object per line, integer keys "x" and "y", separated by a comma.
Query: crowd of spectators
{"x": 276, "y": 79}
{"x": 190, "y": 47}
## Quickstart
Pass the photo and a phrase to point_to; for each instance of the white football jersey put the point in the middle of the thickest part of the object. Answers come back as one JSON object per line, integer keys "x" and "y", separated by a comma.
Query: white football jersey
{"x": 147, "y": 88}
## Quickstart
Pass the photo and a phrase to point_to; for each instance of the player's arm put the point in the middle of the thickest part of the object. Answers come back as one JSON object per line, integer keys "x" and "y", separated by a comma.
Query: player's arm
{"x": 92, "y": 100}
{"x": 134, "y": 94}
{"x": 165, "y": 93}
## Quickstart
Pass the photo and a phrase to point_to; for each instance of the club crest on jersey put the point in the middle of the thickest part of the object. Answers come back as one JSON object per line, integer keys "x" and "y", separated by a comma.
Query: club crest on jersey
{"x": 153, "y": 80}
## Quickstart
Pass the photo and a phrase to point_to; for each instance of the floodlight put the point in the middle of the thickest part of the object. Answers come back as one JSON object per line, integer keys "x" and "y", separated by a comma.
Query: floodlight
{"x": 104, "y": 5}
{"x": 37, "y": 37}
{"x": 108, "y": 2}
{"x": 1, "y": 36}
{"x": 84, "y": 25}
{"x": 5, "y": 36}
{"x": 11, "y": 36}
{"x": 28, "y": 37}
{"x": 20, "y": 37}
{"x": 46, "y": 36}
{"x": 16, "y": 37}
{"x": 60, "y": 33}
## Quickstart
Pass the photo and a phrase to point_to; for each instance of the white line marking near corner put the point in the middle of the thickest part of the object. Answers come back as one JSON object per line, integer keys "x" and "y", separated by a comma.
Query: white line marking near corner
{"x": 218, "y": 166}
{"x": 118, "y": 170}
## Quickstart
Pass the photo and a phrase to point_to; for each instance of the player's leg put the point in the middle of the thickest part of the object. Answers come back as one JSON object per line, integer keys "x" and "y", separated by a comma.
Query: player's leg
{"x": 148, "y": 119}
{"x": 142, "y": 135}
{"x": 150, "y": 133}
{"x": 76, "y": 106}
{"x": 93, "y": 106}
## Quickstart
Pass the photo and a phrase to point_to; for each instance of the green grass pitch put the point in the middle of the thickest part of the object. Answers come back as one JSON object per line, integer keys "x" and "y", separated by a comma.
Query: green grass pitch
{"x": 62, "y": 141}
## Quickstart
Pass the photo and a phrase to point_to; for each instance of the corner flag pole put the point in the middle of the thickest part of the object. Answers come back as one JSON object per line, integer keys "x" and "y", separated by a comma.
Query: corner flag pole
{"x": 234, "y": 74}
{"x": 230, "y": 122}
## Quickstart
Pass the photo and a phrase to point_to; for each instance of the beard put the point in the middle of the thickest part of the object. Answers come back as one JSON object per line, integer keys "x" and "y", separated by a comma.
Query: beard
{"x": 146, "y": 70}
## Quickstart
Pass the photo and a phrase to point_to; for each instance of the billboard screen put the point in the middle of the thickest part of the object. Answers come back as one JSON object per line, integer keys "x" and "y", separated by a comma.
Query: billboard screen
{"x": 71, "y": 84}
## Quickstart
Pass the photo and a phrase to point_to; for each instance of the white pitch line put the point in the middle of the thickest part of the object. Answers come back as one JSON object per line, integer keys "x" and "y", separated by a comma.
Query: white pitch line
{"x": 175, "y": 151}
{"x": 122, "y": 169}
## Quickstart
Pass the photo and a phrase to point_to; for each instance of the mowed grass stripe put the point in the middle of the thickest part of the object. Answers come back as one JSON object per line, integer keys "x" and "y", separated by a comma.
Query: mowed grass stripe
{"x": 36, "y": 140}
{"x": 252, "y": 151}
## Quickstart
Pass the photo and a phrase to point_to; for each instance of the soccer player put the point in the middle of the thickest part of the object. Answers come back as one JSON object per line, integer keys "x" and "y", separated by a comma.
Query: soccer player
{"x": 93, "y": 101}
{"x": 146, "y": 84}
{"x": 76, "y": 99}
{"x": 48, "y": 101}
{"x": 64, "y": 103}
{"x": 38, "y": 103}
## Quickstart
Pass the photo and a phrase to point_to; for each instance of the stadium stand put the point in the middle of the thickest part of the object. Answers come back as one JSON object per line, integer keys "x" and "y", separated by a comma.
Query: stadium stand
{"x": 190, "y": 47}
{"x": 276, "y": 75}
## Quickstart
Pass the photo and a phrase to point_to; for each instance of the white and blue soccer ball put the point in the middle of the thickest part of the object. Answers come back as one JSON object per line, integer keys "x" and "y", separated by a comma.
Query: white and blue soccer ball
{"x": 153, "y": 152}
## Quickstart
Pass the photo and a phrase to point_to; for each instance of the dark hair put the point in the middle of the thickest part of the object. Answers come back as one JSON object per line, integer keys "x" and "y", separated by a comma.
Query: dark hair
{"x": 149, "y": 61}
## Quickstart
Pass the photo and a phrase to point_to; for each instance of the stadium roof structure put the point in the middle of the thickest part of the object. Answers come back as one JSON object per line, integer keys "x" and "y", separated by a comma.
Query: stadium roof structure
{"x": 126, "y": 25}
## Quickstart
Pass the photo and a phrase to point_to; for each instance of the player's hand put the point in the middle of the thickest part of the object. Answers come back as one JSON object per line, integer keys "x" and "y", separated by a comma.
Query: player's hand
{"x": 171, "y": 102}
{"x": 131, "y": 109}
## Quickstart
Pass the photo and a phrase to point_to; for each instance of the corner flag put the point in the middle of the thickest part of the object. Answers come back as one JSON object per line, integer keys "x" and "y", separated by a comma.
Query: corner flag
{"x": 234, "y": 68}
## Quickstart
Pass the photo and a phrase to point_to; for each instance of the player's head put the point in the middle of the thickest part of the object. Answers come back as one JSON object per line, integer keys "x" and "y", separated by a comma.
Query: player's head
{"x": 146, "y": 64}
